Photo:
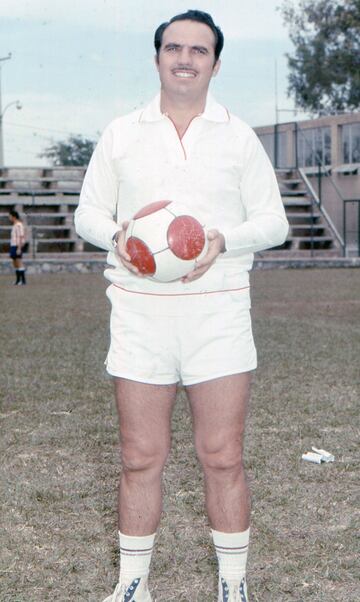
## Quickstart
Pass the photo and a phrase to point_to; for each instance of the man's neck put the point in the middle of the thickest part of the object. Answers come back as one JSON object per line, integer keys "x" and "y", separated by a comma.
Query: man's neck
{"x": 182, "y": 110}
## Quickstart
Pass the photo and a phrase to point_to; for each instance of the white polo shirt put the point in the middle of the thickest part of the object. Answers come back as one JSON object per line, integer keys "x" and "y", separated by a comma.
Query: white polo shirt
{"x": 219, "y": 168}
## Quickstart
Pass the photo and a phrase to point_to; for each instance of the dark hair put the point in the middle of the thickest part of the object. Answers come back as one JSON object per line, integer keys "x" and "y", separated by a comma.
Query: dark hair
{"x": 14, "y": 213}
{"x": 192, "y": 15}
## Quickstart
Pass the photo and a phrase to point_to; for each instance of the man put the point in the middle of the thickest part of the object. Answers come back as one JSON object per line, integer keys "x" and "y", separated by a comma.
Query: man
{"x": 183, "y": 147}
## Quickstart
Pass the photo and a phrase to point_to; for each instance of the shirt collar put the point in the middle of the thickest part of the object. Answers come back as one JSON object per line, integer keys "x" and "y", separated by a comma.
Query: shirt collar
{"x": 213, "y": 111}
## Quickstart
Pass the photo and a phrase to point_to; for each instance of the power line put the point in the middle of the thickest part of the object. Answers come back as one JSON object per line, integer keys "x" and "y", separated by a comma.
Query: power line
{"x": 25, "y": 136}
{"x": 22, "y": 151}
{"x": 35, "y": 127}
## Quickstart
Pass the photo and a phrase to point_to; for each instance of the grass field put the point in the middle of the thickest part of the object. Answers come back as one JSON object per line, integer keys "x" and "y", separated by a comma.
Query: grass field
{"x": 60, "y": 453}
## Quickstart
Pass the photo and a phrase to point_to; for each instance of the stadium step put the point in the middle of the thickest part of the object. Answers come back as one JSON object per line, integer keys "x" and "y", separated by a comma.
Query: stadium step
{"x": 293, "y": 193}
{"x": 291, "y": 183}
{"x": 49, "y": 196}
{"x": 309, "y": 231}
{"x": 296, "y": 201}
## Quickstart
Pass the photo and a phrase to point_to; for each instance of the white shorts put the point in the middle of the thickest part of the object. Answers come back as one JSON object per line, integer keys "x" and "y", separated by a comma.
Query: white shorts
{"x": 164, "y": 339}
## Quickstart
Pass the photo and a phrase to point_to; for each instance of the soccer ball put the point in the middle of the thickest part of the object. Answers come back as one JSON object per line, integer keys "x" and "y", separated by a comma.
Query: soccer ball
{"x": 164, "y": 240}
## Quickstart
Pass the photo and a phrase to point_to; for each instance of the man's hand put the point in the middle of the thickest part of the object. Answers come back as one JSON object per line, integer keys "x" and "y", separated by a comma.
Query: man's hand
{"x": 121, "y": 253}
{"x": 216, "y": 246}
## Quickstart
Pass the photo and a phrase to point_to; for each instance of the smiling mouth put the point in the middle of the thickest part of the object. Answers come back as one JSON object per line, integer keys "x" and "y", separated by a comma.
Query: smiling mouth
{"x": 184, "y": 74}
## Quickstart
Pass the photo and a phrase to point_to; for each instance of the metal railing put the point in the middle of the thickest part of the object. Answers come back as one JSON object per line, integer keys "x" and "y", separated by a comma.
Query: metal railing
{"x": 315, "y": 198}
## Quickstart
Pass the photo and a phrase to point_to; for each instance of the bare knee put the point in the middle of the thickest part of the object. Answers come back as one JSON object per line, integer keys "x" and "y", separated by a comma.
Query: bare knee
{"x": 144, "y": 457}
{"x": 221, "y": 457}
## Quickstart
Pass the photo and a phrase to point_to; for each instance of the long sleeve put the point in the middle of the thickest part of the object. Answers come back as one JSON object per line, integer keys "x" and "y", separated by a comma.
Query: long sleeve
{"x": 266, "y": 225}
{"x": 95, "y": 217}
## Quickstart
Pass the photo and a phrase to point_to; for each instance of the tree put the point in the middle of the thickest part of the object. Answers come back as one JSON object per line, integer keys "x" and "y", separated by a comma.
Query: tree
{"x": 325, "y": 66}
{"x": 76, "y": 150}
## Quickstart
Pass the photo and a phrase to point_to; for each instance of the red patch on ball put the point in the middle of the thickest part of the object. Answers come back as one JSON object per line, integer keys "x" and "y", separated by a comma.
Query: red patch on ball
{"x": 141, "y": 256}
{"x": 151, "y": 208}
{"x": 186, "y": 237}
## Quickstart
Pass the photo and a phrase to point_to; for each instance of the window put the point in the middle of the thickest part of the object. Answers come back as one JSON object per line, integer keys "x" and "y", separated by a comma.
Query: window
{"x": 314, "y": 146}
{"x": 351, "y": 143}
{"x": 282, "y": 158}
{"x": 268, "y": 143}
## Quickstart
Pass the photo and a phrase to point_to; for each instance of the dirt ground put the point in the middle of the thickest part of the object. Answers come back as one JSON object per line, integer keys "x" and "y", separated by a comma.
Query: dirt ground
{"x": 60, "y": 456}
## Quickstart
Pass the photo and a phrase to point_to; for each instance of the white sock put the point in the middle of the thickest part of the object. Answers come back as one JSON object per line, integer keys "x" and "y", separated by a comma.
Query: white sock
{"x": 231, "y": 550}
{"x": 135, "y": 556}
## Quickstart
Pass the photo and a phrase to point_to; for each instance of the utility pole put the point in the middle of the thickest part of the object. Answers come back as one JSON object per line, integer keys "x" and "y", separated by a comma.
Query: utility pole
{"x": 276, "y": 92}
{"x": 5, "y": 58}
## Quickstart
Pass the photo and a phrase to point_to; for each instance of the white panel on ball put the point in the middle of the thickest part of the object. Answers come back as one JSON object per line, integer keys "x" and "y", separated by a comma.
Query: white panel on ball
{"x": 169, "y": 267}
{"x": 152, "y": 229}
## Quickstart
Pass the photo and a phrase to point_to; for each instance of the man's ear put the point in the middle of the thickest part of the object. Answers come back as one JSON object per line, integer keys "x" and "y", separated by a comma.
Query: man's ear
{"x": 156, "y": 60}
{"x": 216, "y": 68}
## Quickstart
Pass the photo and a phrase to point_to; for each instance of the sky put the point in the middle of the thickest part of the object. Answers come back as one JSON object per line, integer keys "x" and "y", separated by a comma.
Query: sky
{"x": 78, "y": 64}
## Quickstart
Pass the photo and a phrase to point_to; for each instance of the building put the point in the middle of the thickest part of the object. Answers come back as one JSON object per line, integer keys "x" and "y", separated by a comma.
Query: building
{"x": 326, "y": 154}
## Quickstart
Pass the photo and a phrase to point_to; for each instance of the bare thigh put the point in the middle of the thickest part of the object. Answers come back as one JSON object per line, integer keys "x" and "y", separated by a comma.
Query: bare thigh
{"x": 144, "y": 416}
{"x": 219, "y": 409}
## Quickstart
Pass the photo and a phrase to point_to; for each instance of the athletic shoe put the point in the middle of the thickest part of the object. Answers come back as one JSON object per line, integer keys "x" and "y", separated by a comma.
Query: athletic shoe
{"x": 137, "y": 591}
{"x": 232, "y": 591}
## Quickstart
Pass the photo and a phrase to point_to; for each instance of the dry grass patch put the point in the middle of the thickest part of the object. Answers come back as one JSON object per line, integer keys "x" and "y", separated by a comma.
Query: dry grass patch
{"x": 60, "y": 454}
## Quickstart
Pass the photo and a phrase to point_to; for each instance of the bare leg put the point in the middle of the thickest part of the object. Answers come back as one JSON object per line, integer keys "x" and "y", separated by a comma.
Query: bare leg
{"x": 144, "y": 418}
{"x": 219, "y": 409}
{"x": 18, "y": 263}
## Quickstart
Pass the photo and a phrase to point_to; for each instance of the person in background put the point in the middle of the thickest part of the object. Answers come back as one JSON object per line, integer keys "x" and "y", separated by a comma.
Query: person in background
{"x": 17, "y": 242}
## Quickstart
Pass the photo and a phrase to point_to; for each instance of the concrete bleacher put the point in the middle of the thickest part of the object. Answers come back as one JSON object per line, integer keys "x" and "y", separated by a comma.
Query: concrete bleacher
{"x": 46, "y": 198}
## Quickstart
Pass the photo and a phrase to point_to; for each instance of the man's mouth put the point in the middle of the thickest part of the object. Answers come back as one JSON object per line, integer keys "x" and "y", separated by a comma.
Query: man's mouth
{"x": 184, "y": 73}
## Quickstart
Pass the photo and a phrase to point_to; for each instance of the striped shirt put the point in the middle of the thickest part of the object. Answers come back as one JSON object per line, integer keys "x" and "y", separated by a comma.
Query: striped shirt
{"x": 17, "y": 235}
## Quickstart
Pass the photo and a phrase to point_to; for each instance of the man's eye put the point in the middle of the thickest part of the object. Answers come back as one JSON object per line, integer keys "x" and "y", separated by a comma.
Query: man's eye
{"x": 199, "y": 51}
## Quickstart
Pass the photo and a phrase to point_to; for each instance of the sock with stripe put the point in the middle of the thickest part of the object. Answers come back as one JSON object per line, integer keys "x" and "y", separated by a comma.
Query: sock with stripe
{"x": 135, "y": 556}
{"x": 231, "y": 550}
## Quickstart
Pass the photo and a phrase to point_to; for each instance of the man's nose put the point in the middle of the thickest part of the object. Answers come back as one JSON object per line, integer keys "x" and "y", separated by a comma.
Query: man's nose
{"x": 185, "y": 56}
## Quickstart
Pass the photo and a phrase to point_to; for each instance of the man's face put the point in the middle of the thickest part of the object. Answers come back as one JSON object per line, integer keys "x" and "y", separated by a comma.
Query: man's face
{"x": 186, "y": 60}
